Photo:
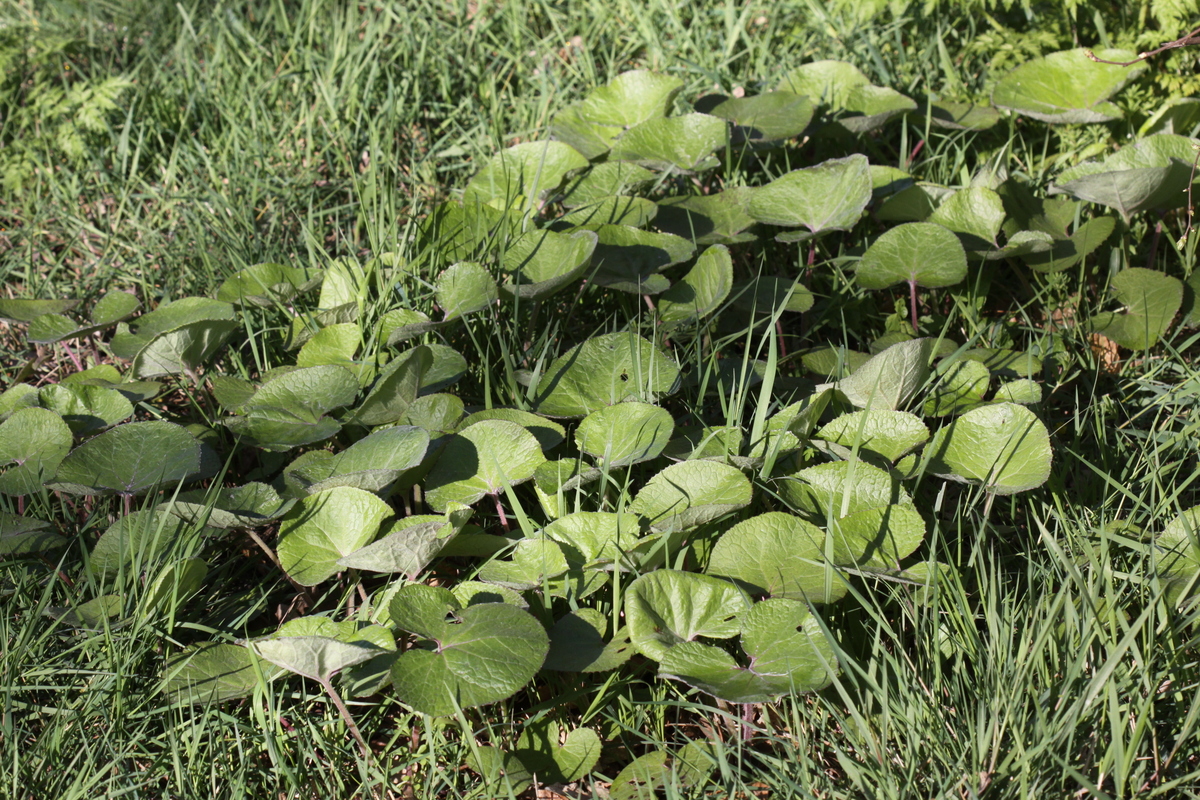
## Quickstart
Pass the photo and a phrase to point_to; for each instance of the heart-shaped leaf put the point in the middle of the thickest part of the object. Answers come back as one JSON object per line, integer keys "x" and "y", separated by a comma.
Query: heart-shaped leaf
{"x": 625, "y": 433}
{"x": 961, "y": 388}
{"x": 469, "y": 657}
{"x": 591, "y": 126}
{"x": 1067, "y": 86}
{"x": 1002, "y": 447}
{"x": 920, "y": 253}
{"x": 182, "y": 349}
{"x": 406, "y": 547}
{"x": 85, "y": 409}
{"x": 268, "y": 285}
{"x": 463, "y": 289}
{"x": 778, "y": 555}
{"x": 26, "y": 536}
{"x": 324, "y": 527}
{"x": 857, "y": 105}
{"x": 1151, "y": 173}
{"x": 534, "y": 562}
{"x": 828, "y": 197}
{"x": 33, "y": 442}
{"x": 683, "y": 143}
{"x": 373, "y": 463}
{"x": 129, "y": 460}
{"x": 517, "y": 178}
{"x": 890, "y": 378}
{"x": 975, "y": 214}
{"x": 578, "y": 644}
{"x": 630, "y": 260}
{"x": 829, "y": 491}
{"x": 691, "y": 493}
{"x": 181, "y": 314}
{"x": 108, "y": 311}
{"x": 548, "y": 433}
{"x": 1151, "y": 300}
{"x": 889, "y": 433}
{"x": 701, "y": 291}
{"x": 603, "y": 371}
{"x": 666, "y": 607}
{"x": 542, "y": 262}
{"x": 788, "y": 652}
{"x": 719, "y": 218}
{"x": 554, "y": 759}
{"x": 333, "y": 344}
{"x": 482, "y": 459}
{"x": 762, "y": 119}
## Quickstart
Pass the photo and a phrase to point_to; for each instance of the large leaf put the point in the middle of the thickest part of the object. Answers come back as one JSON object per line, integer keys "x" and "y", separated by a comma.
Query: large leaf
{"x": 787, "y": 653}
{"x": 591, "y": 126}
{"x": 373, "y": 463}
{"x": 318, "y": 647}
{"x": 26, "y": 310}
{"x": 604, "y": 181}
{"x": 463, "y": 289}
{"x": 890, "y": 378}
{"x": 828, "y": 197}
{"x": 889, "y": 433}
{"x": 542, "y": 262}
{"x": 919, "y": 253}
{"x": 1151, "y": 300}
{"x": 518, "y": 177}
{"x": 625, "y": 434}
{"x": 289, "y": 409}
{"x": 548, "y": 433}
{"x": 323, "y": 527}
{"x": 26, "y": 536}
{"x": 129, "y": 460}
{"x": 1151, "y": 173}
{"x": 482, "y": 459}
{"x": 108, "y": 311}
{"x": 534, "y": 563}
{"x": 684, "y": 142}
{"x": 182, "y": 313}
{"x": 691, "y": 493}
{"x": 183, "y": 349}
{"x": 630, "y": 260}
{"x": 85, "y": 409}
{"x": 467, "y": 656}
{"x": 1002, "y": 447}
{"x": 603, "y": 371}
{"x": 857, "y": 105}
{"x": 830, "y": 491}
{"x": 578, "y": 644}
{"x": 778, "y": 555}
{"x": 666, "y": 607}
{"x": 701, "y": 291}
{"x": 212, "y": 671}
{"x": 763, "y": 119}
{"x": 139, "y": 538}
{"x": 268, "y": 285}
{"x": 406, "y": 547}
{"x": 250, "y": 506}
{"x": 1067, "y": 86}
{"x": 719, "y": 218}
{"x": 554, "y": 758}
{"x": 33, "y": 442}
{"x": 595, "y": 539}
{"x": 1179, "y": 563}
{"x": 396, "y": 389}
{"x": 975, "y": 214}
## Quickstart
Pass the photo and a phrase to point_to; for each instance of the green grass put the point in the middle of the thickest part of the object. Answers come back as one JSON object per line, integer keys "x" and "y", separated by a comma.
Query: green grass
{"x": 1048, "y": 665}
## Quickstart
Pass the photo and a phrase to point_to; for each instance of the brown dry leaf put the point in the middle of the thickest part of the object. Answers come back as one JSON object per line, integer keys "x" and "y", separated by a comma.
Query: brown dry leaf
{"x": 1106, "y": 351}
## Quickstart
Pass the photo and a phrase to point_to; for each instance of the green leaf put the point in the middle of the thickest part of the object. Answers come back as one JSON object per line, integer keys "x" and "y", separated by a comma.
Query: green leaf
{"x": 404, "y": 548}
{"x": 778, "y": 555}
{"x": 333, "y": 344}
{"x": 318, "y": 647}
{"x": 1024, "y": 392}
{"x": 373, "y": 463}
{"x": 762, "y": 119}
{"x": 1179, "y": 565}
{"x": 577, "y": 644}
{"x": 917, "y": 252}
{"x": 718, "y": 218}
{"x": 858, "y": 106}
{"x": 289, "y": 408}
{"x": 437, "y": 413}
{"x": 403, "y": 324}
{"x": 788, "y": 653}
{"x": 641, "y": 778}
{"x": 1013, "y": 363}
{"x": 137, "y": 539}
{"x": 603, "y": 371}
{"x": 666, "y": 607}
{"x": 975, "y": 214}
{"x": 396, "y": 389}
{"x": 833, "y": 490}
{"x": 16, "y": 397}
{"x": 636, "y": 212}
{"x": 683, "y": 143}
{"x": 85, "y": 409}
{"x": 1002, "y": 447}
{"x": 603, "y": 181}
{"x": 890, "y": 378}
{"x": 1067, "y": 86}
{"x": 543, "y": 750}
{"x": 766, "y": 293}
{"x": 250, "y": 506}
{"x": 961, "y": 388}
{"x": 1152, "y": 173}
{"x": 701, "y": 291}
{"x": 1066, "y": 253}
{"x": 25, "y": 310}
{"x": 878, "y": 537}
{"x": 828, "y": 197}
{"x": 181, "y": 314}
{"x": 625, "y": 433}
{"x": 591, "y": 126}
{"x": 182, "y": 349}
{"x": 889, "y": 433}
{"x": 541, "y": 263}
{"x": 26, "y": 536}
{"x": 461, "y": 231}
{"x": 324, "y": 527}
{"x": 485, "y": 458}
{"x": 1151, "y": 300}
{"x": 464, "y": 289}
{"x": 268, "y": 285}
{"x": 691, "y": 493}
{"x": 517, "y": 178}
{"x": 130, "y": 460}
{"x": 534, "y": 562}
{"x": 961, "y": 116}
{"x": 176, "y": 583}
{"x": 33, "y": 442}
{"x": 630, "y": 260}
{"x": 548, "y": 433}
{"x": 211, "y": 672}
{"x": 470, "y": 657}
{"x": 447, "y": 368}
{"x": 108, "y": 311}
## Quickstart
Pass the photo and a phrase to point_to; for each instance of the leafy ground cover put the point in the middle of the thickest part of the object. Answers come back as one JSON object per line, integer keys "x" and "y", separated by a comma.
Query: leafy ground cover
{"x": 617, "y": 400}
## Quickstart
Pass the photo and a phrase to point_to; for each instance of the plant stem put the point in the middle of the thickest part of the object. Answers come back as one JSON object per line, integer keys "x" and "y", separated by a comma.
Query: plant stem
{"x": 327, "y": 685}
{"x": 912, "y": 302}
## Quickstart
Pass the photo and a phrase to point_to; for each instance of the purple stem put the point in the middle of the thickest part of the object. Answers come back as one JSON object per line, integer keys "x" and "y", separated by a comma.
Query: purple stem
{"x": 912, "y": 302}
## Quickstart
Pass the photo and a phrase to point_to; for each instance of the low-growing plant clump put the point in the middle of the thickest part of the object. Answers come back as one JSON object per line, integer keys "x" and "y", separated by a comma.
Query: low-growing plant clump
{"x": 681, "y": 411}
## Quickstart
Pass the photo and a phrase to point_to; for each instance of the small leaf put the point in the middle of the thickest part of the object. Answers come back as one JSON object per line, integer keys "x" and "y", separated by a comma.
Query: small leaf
{"x": 542, "y": 262}
{"x": 211, "y": 672}
{"x": 666, "y": 607}
{"x": 1152, "y": 173}
{"x": 324, "y": 527}
{"x": 26, "y": 536}
{"x": 25, "y": 310}
{"x": 889, "y": 433}
{"x": 763, "y": 118}
{"x": 718, "y": 218}
{"x": 404, "y": 548}
{"x": 975, "y": 214}
{"x": 182, "y": 349}
{"x": 534, "y": 562}
{"x": 833, "y": 490}
{"x": 108, "y": 311}
{"x": 1003, "y": 447}
{"x": 464, "y": 289}
{"x": 518, "y": 177}
{"x": 268, "y": 285}
{"x": 891, "y": 378}
{"x": 250, "y": 506}
{"x": 606, "y": 180}
{"x": 1151, "y": 300}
